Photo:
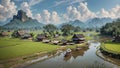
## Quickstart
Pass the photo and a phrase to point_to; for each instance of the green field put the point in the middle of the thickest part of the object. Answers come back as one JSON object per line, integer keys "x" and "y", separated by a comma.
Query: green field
{"x": 11, "y": 48}
{"x": 14, "y": 47}
{"x": 111, "y": 47}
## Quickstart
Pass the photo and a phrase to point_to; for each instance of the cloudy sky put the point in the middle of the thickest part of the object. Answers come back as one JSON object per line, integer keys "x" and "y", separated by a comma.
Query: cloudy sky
{"x": 59, "y": 11}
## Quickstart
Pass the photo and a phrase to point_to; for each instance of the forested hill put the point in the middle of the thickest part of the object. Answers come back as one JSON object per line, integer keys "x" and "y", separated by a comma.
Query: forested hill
{"x": 111, "y": 29}
{"x": 22, "y": 21}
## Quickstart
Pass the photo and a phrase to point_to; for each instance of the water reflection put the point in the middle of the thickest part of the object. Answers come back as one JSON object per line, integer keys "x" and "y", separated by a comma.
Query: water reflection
{"x": 85, "y": 58}
{"x": 75, "y": 54}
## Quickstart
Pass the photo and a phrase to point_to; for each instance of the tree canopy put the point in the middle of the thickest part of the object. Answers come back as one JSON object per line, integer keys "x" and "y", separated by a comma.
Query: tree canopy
{"x": 50, "y": 28}
{"x": 112, "y": 29}
{"x": 67, "y": 29}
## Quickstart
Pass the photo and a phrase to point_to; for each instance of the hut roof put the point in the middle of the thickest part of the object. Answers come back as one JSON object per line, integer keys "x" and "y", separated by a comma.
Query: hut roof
{"x": 5, "y": 33}
{"x": 64, "y": 41}
{"x": 78, "y": 36}
{"x": 21, "y": 32}
{"x": 41, "y": 36}
{"x": 27, "y": 35}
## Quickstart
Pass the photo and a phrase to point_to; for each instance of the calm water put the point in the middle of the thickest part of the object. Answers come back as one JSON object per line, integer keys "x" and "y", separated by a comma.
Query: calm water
{"x": 85, "y": 58}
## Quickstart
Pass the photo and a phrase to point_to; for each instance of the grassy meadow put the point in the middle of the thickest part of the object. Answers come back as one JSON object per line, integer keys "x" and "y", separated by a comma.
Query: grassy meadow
{"x": 15, "y": 47}
{"x": 111, "y": 47}
{"x": 11, "y": 48}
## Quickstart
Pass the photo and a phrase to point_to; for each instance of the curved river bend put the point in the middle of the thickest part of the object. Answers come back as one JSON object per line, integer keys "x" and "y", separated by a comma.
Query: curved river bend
{"x": 85, "y": 59}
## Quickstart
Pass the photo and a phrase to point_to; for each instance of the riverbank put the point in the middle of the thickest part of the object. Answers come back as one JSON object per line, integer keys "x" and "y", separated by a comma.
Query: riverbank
{"x": 111, "y": 49}
{"x": 16, "y": 51}
{"x": 107, "y": 58}
{"x": 37, "y": 57}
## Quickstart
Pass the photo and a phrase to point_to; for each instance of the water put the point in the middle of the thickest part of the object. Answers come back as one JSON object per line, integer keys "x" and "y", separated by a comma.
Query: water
{"x": 85, "y": 58}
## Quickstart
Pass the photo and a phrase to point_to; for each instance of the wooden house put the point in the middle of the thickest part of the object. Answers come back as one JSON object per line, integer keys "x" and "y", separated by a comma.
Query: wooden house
{"x": 56, "y": 35}
{"x": 4, "y": 34}
{"x": 18, "y": 34}
{"x": 21, "y": 32}
{"x": 26, "y": 36}
{"x": 64, "y": 42}
{"x": 78, "y": 38}
{"x": 41, "y": 37}
{"x": 116, "y": 38}
{"x": 46, "y": 41}
{"x": 55, "y": 42}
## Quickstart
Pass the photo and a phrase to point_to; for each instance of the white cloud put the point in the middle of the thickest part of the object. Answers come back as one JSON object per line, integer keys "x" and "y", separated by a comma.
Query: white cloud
{"x": 46, "y": 17}
{"x": 113, "y": 13}
{"x": 55, "y": 17}
{"x": 38, "y": 17}
{"x": 34, "y": 2}
{"x": 67, "y": 2}
{"x": 7, "y": 9}
{"x": 80, "y": 12}
{"x": 73, "y": 13}
{"x": 85, "y": 12}
{"x": 26, "y": 7}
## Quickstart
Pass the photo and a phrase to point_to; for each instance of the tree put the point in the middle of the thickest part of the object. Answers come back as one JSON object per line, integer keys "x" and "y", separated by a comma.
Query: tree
{"x": 15, "y": 34}
{"x": 50, "y": 28}
{"x": 77, "y": 29}
{"x": 112, "y": 29}
{"x": 67, "y": 29}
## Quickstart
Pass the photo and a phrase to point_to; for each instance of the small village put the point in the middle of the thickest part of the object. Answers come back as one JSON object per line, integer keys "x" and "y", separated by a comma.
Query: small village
{"x": 23, "y": 35}
{"x": 59, "y": 34}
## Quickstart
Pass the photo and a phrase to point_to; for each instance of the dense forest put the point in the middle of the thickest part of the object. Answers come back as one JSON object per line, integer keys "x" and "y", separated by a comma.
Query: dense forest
{"x": 112, "y": 29}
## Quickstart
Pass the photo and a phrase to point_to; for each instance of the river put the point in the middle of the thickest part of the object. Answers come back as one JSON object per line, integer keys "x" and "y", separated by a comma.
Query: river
{"x": 86, "y": 58}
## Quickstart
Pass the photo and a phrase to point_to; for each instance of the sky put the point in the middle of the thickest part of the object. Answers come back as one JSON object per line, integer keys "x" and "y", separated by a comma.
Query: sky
{"x": 60, "y": 11}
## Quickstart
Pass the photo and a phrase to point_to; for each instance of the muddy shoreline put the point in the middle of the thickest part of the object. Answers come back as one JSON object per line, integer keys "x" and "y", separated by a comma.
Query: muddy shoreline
{"x": 107, "y": 58}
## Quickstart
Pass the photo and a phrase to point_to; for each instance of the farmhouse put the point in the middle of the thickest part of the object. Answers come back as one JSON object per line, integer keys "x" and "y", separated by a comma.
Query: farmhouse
{"x": 26, "y": 36}
{"x": 41, "y": 37}
{"x": 64, "y": 42}
{"x": 78, "y": 38}
{"x": 18, "y": 34}
{"x": 56, "y": 35}
{"x": 55, "y": 42}
{"x": 116, "y": 38}
{"x": 21, "y": 34}
{"x": 4, "y": 34}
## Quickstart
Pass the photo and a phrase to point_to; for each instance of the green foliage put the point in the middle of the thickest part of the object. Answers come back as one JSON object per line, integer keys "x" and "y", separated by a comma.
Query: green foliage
{"x": 77, "y": 29}
{"x": 67, "y": 29}
{"x": 12, "y": 48}
{"x": 111, "y": 47}
{"x": 50, "y": 28}
{"x": 111, "y": 28}
{"x": 32, "y": 34}
{"x": 15, "y": 34}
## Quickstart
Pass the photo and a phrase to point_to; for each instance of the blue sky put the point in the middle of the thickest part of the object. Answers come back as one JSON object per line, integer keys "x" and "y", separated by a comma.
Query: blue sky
{"x": 93, "y": 5}
{"x": 61, "y": 10}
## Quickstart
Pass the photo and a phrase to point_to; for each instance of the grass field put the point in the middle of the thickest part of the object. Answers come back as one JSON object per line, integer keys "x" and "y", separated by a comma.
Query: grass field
{"x": 111, "y": 47}
{"x": 11, "y": 48}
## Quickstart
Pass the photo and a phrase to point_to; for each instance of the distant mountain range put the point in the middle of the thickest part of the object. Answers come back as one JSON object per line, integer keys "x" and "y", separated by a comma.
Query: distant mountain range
{"x": 77, "y": 23}
{"x": 22, "y": 21}
{"x": 98, "y": 22}
{"x": 91, "y": 23}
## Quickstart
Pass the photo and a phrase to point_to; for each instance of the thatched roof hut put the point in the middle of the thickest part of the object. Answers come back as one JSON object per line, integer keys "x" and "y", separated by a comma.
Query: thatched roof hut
{"x": 55, "y": 42}
{"x": 116, "y": 38}
{"x": 4, "y": 34}
{"x": 78, "y": 38}
{"x": 64, "y": 42}
{"x": 40, "y": 37}
{"x": 26, "y": 36}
